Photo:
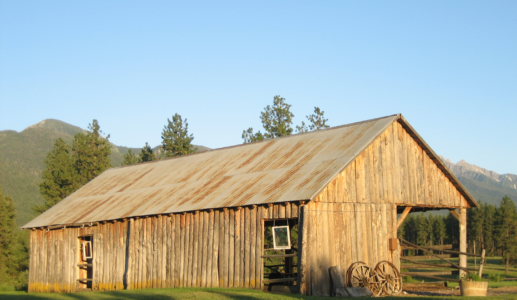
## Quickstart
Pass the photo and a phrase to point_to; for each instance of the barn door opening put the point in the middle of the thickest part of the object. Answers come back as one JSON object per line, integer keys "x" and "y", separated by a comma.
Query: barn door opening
{"x": 85, "y": 263}
{"x": 280, "y": 255}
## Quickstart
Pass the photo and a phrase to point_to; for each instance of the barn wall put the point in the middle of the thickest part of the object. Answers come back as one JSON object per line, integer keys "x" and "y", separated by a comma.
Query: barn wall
{"x": 341, "y": 234}
{"x": 54, "y": 256}
{"x": 219, "y": 248}
{"x": 394, "y": 169}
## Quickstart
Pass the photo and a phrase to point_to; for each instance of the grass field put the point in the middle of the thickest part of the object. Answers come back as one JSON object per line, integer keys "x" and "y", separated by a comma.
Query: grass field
{"x": 197, "y": 293}
{"x": 493, "y": 267}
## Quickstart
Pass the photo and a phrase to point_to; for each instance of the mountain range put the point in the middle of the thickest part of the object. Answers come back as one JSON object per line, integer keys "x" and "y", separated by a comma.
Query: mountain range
{"x": 22, "y": 155}
{"x": 484, "y": 185}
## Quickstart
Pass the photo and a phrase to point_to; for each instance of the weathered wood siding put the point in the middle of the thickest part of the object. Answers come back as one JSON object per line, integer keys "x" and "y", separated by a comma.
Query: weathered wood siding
{"x": 394, "y": 169}
{"x": 217, "y": 248}
{"x": 354, "y": 217}
{"x": 54, "y": 256}
{"x": 341, "y": 234}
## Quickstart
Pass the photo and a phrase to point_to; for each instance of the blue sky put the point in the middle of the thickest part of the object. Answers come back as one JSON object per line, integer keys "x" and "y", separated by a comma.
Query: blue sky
{"x": 450, "y": 67}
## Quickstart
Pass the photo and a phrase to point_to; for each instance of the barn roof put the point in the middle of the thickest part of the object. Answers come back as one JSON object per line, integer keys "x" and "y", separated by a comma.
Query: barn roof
{"x": 291, "y": 168}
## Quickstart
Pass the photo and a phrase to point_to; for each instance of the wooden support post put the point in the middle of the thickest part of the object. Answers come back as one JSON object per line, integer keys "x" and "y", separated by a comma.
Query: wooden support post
{"x": 403, "y": 216}
{"x": 463, "y": 240}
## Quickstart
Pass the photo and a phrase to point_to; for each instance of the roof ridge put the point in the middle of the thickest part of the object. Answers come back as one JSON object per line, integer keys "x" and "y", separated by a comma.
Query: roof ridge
{"x": 257, "y": 142}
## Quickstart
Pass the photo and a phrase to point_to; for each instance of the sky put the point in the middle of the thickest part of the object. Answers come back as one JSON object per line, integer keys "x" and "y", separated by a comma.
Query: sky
{"x": 450, "y": 67}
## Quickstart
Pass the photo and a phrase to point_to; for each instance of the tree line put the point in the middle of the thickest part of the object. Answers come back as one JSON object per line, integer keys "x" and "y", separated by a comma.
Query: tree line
{"x": 488, "y": 227}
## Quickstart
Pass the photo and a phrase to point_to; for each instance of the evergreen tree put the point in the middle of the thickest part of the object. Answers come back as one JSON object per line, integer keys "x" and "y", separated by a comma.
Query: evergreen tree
{"x": 7, "y": 238}
{"x": 506, "y": 230}
{"x": 130, "y": 158}
{"x": 489, "y": 228}
{"x": 276, "y": 120}
{"x": 439, "y": 230}
{"x": 175, "y": 138}
{"x": 147, "y": 153}
{"x": 91, "y": 152}
{"x": 423, "y": 231}
{"x": 60, "y": 177}
{"x": 317, "y": 121}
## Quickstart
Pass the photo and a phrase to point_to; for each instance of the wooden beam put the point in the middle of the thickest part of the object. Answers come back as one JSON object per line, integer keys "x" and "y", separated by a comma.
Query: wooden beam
{"x": 279, "y": 255}
{"x": 437, "y": 273}
{"x": 455, "y": 214}
{"x": 276, "y": 280}
{"x": 429, "y": 276}
{"x": 403, "y": 216}
{"x": 434, "y": 255}
{"x": 463, "y": 240}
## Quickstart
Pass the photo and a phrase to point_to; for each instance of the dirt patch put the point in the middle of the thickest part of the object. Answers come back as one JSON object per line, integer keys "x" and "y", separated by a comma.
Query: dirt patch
{"x": 416, "y": 289}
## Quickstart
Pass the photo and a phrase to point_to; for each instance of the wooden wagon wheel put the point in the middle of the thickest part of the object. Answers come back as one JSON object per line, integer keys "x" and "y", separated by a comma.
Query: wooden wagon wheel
{"x": 359, "y": 274}
{"x": 389, "y": 277}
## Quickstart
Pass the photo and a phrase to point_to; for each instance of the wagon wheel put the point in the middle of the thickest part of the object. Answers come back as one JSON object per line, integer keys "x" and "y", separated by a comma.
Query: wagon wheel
{"x": 389, "y": 276}
{"x": 360, "y": 274}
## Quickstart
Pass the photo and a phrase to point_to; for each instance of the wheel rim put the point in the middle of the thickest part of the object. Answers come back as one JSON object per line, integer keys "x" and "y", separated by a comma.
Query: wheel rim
{"x": 389, "y": 277}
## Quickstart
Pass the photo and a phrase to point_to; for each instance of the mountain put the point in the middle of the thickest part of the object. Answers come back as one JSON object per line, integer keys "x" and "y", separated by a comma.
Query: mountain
{"x": 484, "y": 185}
{"x": 21, "y": 161}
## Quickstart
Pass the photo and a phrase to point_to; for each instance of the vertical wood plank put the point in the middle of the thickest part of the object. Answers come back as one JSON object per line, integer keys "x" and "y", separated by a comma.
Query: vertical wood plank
{"x": 210, "y": 248}
{"x": 231, "y": 250}
{"x": 182, "y": 271}
{"x": 302, "y": 246}
{"x": 281, "y": 210}
{"x": 226, "y": 256}
{"x": 259, "y": 262}
{"x": 203, "y": 238}
{"x": 169, "y": 233}
{"x": 243, "y": 246}
{"x": 177, "y": 241}
{"x": 237, "y": 251}
{"x": 190, "y": 248}
{"x": 195, "y": 254}
{"x": 221, "y": 249}
{"x": 295, "y": 208}
{"x": 395, "y": 160}
{"x": 215, "y": 257}
{"x": 253, "y": 243}
{"x": 360, "y": 178}
{"x": 247, "y": 250}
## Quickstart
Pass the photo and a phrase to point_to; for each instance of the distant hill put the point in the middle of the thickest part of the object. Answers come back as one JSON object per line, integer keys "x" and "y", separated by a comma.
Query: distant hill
{"x": 21, "y": 161}
{"x": 484, "y": 185}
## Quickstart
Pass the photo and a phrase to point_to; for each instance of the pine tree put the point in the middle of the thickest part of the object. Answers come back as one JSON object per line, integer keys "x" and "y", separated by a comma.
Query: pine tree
{"x": 506, "y": 230}
{"x": 423, "y": 231}
{"x": 130, "y": 158}
{"x": 7, "y": 238}
{"x": 276, "y": 120}
{"x": 91, "y": 152}
{"x": 489, "y": 228}
{"x": 439, "y": 229}
{"x": 317, "y": 121}
{"x": 147, "y": 153}
{"x": 175, "y": 138}
{"x": 60, "y": 177}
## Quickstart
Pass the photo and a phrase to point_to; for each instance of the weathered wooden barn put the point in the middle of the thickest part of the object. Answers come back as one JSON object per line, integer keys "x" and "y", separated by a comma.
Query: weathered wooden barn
{"x": 199, "y": 220}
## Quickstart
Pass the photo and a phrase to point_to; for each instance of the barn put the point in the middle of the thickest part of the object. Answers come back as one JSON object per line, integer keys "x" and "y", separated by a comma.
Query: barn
{"x": 200, "y": 220}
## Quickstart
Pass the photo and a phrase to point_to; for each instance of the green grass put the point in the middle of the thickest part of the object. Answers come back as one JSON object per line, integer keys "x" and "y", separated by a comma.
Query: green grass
{"x": 493, "y": 266}
{"x": 197, "y": 293}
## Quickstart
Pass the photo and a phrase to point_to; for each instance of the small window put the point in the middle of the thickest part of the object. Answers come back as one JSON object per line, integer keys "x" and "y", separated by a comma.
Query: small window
{"x": 87, "y": 249}
{"x": 281, "y": 238}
